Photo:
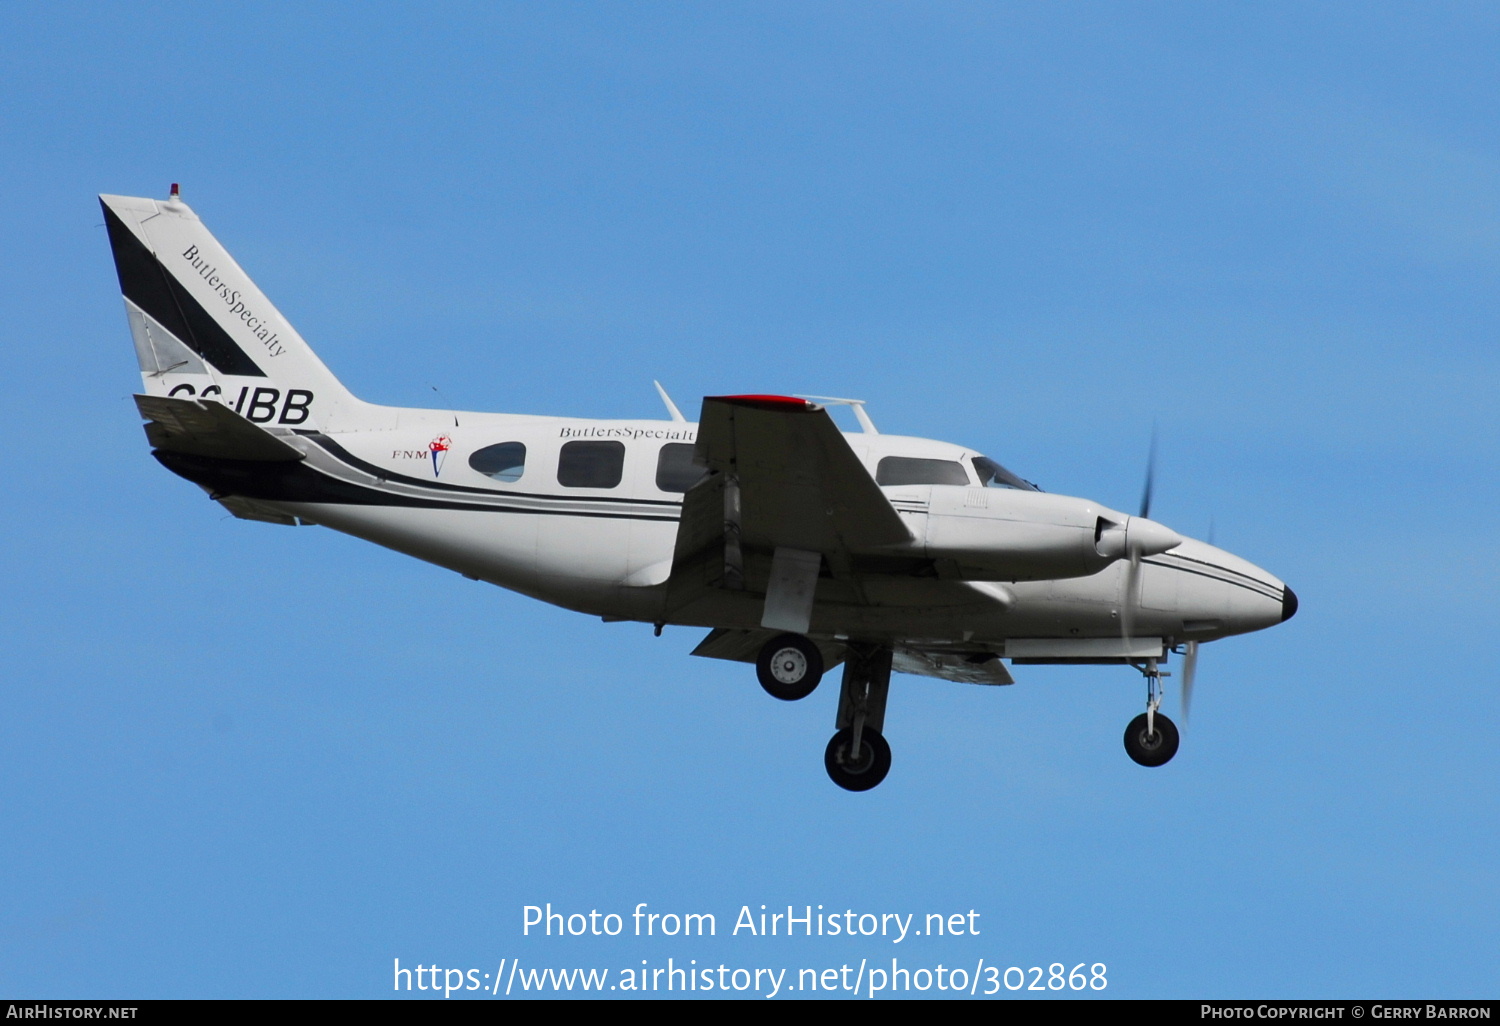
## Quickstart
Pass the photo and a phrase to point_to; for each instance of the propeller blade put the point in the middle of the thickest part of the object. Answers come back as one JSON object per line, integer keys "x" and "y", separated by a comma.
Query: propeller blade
{"x": 1189, "y": 671}
{"x": 1148, "y": 533}
{"x": 1150, "y": 477}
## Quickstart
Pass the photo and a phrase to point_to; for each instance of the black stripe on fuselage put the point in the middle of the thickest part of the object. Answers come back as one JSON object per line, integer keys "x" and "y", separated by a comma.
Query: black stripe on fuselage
{"x": 337, "y": 451}
{"x": 150, "y": 286}
{"x": 1220, "y": 569}
{"x": 1269, "y": 591}
{"x": 295, "y": 481}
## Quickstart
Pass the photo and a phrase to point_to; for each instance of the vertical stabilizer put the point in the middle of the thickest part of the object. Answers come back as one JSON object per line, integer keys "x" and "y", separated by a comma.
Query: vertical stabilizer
{"x": 202, "y": 329}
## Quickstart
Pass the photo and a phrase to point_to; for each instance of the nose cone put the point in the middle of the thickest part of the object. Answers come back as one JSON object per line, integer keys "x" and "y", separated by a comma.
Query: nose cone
{"x": 1220, "y": 594}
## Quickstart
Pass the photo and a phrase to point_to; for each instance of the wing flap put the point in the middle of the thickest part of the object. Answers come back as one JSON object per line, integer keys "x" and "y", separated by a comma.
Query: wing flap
{"x": 979, "y": 667}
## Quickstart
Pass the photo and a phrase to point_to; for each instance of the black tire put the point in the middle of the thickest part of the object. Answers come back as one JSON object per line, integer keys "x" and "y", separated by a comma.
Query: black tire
{"x": 860, "y": 774}
{"x": 1151, "y": 749}
{"x": 789, "y": 667}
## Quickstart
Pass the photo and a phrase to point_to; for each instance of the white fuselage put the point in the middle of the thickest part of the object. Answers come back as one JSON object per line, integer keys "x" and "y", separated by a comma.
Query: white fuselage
{"x": 608, "y": 550}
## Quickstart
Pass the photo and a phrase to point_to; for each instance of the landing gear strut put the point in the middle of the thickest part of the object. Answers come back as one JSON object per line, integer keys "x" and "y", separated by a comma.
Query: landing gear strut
{"x": 858, "y": 757}
{"x": 1151, "y": 739}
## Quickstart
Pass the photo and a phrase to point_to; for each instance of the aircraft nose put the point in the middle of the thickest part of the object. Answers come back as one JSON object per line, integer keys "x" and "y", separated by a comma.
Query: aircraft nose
{"x": 1288, "y": 603}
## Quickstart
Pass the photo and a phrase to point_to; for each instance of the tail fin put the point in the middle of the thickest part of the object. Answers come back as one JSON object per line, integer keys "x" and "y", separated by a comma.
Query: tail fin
{"x": 203, "y": 330}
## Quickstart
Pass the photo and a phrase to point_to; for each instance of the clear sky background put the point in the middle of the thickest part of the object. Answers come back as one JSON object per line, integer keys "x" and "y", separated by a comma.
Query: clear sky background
{"x": 245, "y": 760}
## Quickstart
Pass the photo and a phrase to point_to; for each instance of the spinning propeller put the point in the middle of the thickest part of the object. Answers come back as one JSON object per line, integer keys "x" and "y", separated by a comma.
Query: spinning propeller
{"x": 1144, "y": 537}
{"x": 1189, "y": 670}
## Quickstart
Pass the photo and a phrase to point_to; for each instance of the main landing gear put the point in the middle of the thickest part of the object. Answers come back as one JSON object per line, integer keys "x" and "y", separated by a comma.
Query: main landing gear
{"x": 789, "y": 667}
{"x": 857, "y": 758}
{"x": 1151, "y": 739}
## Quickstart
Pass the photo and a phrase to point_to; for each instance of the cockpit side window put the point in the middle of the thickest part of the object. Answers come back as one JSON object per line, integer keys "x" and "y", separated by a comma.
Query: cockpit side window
{"x": 993, "y": 475}
{"x": 904, "y": 470}
{"x": 503, "y": 462}
{"x": 591, "y": 464}
{"x": 675, "y": 469}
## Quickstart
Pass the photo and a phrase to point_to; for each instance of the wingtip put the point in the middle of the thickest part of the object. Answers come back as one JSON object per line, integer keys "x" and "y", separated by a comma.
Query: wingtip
{"x": 781, "y": 403}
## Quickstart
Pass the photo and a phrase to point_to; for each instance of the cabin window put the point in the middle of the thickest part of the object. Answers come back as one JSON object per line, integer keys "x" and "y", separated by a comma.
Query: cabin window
{"x": 903, "y": 470}
{"x": 993, "y": 475}
{"x": 503, "y": 462}
{"x": 675, "y": 469}
{"x": 591, "y": 464}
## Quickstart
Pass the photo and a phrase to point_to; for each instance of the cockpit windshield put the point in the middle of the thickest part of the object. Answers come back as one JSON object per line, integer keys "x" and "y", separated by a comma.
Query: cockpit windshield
{"x": 993, "y": 475}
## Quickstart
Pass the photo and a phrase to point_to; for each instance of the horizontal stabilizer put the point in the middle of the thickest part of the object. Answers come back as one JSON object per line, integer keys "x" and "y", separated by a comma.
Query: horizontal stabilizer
{"x": 208, "y": 429}
{"x": 249, "y": 509}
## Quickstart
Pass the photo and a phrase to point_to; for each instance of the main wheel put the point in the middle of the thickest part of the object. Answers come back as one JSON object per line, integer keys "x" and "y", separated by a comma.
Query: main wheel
{"x": 862, "y": 770}
{"x": 1151, "y": 749}
{"x": 789, "y": 667}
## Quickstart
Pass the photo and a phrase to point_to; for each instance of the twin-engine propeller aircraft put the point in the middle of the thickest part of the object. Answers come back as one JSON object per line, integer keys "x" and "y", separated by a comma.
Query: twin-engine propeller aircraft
{"x": 798, "y": 545}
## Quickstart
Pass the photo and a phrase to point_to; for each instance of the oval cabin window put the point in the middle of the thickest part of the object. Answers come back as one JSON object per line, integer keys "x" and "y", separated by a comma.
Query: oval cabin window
{"x": 503, "y": 462}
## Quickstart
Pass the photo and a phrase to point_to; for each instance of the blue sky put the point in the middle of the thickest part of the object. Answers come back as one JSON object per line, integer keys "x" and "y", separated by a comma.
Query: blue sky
{"x": 244, "y": 760}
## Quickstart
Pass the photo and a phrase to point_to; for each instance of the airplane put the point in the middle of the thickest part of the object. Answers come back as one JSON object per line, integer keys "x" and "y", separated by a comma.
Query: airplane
{"x": 797, "y": 545}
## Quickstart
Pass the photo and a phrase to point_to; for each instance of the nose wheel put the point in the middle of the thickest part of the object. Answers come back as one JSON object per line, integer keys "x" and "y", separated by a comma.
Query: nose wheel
{"x": 1151, "y": 744}
{"x": 1152, "y": 739}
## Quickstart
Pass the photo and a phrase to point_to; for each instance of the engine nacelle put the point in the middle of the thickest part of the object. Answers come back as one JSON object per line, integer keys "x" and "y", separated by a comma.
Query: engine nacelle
{"x": 1115, "y": 540}
{"x": 1000, "y": 534}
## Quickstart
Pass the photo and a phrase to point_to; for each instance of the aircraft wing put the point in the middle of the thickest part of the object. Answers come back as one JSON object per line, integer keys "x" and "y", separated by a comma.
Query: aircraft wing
{"x": 801, "y": 486}
{"x": 785, "y": 495}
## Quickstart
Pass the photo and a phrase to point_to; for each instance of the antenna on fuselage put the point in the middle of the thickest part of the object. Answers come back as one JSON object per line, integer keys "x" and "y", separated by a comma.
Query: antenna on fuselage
{"x": 858, "y": 405}
{"x": 671, "y": 406}
{"x": 445, "y": 402}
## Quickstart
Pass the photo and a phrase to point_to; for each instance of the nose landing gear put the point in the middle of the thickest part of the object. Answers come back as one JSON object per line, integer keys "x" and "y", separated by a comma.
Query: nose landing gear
{"x": 1151, "y": 739}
